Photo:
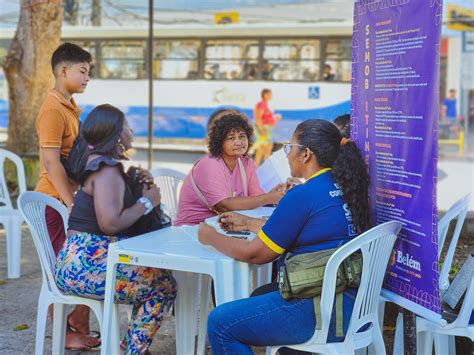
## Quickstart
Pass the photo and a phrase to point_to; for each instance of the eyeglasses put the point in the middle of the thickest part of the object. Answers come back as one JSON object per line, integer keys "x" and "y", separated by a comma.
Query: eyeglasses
{"x": 287, "y": 147}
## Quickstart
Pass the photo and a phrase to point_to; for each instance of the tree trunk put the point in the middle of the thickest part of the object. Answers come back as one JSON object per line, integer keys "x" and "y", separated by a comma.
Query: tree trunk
{"x": 28, "y": 70}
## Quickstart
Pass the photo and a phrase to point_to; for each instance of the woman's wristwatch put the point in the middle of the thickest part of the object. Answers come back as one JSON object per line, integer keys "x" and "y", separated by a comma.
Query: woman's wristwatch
{"x": 147, "y": 203}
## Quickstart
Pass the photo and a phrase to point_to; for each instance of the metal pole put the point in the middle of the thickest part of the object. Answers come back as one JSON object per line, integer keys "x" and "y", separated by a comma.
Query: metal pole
{"x": 150, "y": 83}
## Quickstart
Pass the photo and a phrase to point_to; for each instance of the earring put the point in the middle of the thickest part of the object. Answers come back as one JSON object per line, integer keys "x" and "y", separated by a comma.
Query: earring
{"x": 121, "y": 146}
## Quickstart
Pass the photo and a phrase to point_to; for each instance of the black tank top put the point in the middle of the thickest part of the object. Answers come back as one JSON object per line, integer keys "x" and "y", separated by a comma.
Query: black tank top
{"x": 83, "y": 217}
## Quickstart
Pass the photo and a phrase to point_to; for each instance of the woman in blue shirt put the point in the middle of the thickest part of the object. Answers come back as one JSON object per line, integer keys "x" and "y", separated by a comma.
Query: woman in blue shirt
{"x": 329, "y": 208}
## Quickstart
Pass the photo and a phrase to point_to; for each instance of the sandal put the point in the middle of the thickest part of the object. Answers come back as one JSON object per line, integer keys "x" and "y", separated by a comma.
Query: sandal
{"x": 92, "y": 333}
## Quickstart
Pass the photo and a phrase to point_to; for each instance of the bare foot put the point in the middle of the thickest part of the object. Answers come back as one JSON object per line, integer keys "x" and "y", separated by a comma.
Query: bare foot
{"x": 78, "y": 320}
{"x": 80, "y": 341}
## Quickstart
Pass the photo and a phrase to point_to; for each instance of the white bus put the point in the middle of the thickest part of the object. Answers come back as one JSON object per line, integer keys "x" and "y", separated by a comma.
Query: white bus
{"x": 198, "y": 69}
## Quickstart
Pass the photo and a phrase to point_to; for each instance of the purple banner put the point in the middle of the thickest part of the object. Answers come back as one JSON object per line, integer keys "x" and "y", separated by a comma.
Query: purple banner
{"x": 395, "y": 102}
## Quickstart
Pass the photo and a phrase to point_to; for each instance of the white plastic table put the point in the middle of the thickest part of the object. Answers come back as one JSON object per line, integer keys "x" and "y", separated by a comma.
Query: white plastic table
{"x": 177, "y": 249}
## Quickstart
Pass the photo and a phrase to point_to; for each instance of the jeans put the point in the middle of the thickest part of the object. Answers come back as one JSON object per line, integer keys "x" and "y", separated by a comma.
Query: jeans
{"x": 266, "y": 320}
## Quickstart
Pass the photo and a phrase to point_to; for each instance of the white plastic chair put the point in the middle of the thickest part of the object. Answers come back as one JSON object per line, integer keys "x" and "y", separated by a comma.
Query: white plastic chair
{"x": 443, "y": 336}
{"x": 10, "y": 217}
{"x": 169, "y": 181}
{"x": 32, "y": 206}
{"x": 457, "y": 213}
{"x": 376, "y": 246}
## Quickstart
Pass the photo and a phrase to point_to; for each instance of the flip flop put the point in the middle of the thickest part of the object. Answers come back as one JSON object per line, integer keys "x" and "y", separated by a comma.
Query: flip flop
{"x": 95, "y": 334}
{"x": 91, "y": 348}
{"x": 87, "y": 348}
{"x": 92, "y": 333}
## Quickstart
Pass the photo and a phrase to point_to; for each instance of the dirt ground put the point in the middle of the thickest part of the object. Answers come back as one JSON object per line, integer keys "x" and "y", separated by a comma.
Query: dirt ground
{"x": 18, "y": 304}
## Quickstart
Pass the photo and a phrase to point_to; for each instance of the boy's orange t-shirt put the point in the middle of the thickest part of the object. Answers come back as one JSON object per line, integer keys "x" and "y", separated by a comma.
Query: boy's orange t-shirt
{"x": 57, "y": 126}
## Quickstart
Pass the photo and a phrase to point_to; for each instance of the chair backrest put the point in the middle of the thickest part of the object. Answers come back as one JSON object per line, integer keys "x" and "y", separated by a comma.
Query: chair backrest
{"x": 457, "y": 212}
{"x": 32, "y": 206}
{"x": 169, "y": 181}
{"x": 376, "y": 246}
{"x": 467, "y": 308}
{"x": 5, "y": 199}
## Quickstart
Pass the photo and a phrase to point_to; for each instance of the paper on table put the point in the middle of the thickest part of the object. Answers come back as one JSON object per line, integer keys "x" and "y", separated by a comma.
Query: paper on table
{"x": 259, "y": 212}
{"x": 213, "y": 222}
{"x": 274, "y": 171}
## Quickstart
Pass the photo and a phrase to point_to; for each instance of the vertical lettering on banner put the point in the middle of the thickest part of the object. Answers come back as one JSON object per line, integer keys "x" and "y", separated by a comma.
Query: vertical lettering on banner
{"x": 399, "y": 136}
{"x": 355, "y": 61}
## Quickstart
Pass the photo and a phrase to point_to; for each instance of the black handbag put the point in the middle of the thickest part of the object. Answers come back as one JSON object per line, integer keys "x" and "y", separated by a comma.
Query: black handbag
{"x": 76, "y": 161}
{"x": 152, "y": 221}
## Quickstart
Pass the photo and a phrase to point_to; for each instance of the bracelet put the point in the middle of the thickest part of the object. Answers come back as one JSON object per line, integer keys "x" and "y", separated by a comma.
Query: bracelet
{"x": 147, "y": 203}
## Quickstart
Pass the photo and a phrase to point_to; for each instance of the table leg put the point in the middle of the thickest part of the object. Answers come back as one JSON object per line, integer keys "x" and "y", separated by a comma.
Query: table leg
{"x": 109, "y": 333}
{"x": 241, "y": 273}
{"x": 185, "y": 307}
{"x": 228, "y": 281}
{"x": 203, "y": 312}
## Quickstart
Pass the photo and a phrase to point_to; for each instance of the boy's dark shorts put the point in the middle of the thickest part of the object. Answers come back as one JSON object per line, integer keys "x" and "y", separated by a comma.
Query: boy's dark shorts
{"x": 55, "y": 225}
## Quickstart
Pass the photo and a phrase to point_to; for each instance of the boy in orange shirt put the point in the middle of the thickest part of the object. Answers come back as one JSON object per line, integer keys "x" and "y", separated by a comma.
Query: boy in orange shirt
{"x": 57, "y": 127}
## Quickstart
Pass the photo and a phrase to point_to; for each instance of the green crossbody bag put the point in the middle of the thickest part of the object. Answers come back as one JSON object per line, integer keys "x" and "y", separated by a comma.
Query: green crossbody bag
{"x": 302, "y": 277}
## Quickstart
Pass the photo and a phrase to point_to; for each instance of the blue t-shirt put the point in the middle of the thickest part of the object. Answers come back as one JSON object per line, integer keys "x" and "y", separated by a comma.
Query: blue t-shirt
{"x": 310, "y": 217}
{"x": 450, "y": 107}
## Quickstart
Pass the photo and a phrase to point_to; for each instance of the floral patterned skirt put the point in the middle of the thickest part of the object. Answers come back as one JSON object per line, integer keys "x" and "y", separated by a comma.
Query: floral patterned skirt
{"x": 81, "y": 268}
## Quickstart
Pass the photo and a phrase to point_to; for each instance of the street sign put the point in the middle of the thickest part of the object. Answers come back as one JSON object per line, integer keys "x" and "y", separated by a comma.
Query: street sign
{"x": 224, "y": 18}
{"x": 460, "y": 18}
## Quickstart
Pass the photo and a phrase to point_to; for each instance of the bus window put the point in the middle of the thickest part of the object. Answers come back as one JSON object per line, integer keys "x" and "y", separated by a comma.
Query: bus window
{"x": 291, "y": 60}
{"x": 122, "y": 59}
{"x": 231, "y": 60}
{"x": 339, "y": 58}
{"x": 176, "y": 59}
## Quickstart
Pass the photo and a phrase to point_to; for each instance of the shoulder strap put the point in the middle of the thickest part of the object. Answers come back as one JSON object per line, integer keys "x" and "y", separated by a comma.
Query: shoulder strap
{"x": 199, "y": 193}
{"x": 338, "y": 309}
{"x": 317, "y": 312}
{"x": 243, "y": 175}
{"x": 339, "y": 315}
{"x": 196, "y": 188}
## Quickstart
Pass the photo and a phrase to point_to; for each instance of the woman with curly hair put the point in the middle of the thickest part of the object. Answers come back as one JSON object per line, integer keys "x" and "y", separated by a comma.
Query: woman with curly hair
{"x": 330, "y": 208}
{"x": 225, "y": 179}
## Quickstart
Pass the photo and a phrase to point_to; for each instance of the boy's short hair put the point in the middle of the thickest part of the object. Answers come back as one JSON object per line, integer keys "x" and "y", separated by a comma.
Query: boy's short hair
{"x": 69, "y": 53}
